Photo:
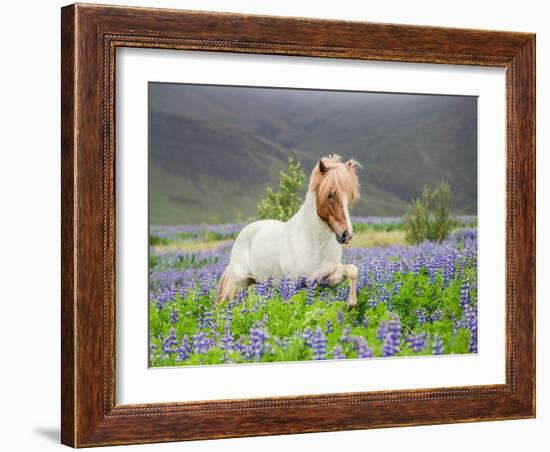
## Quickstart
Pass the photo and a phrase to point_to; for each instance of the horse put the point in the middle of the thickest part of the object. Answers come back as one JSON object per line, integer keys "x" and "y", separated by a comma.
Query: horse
{"x": 308, "y": 245}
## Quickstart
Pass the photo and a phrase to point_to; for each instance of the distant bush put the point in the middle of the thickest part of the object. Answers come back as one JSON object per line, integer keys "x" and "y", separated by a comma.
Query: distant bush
{"x": 429, "y": 215}
{"x": 284, "y": 203}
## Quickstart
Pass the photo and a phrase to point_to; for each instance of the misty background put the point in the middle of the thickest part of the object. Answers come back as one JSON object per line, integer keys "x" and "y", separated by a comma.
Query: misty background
{"x": 214, "y": 149}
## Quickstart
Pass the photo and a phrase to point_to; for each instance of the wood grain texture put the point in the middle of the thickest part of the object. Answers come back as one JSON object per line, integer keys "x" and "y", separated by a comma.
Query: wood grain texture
{"x": 90, "y": 36}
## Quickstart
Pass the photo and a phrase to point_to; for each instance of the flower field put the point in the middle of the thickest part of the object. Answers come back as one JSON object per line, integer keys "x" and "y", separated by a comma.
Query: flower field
{"x": 412, "y": 300}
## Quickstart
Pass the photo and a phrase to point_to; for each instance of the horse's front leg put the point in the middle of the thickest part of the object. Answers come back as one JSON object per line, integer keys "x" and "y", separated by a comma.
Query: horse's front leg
{"x": 337, "y": 277}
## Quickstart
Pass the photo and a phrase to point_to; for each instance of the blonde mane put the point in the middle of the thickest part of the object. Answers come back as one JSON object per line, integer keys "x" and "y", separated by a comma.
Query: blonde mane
{"x": 338, "y": 178}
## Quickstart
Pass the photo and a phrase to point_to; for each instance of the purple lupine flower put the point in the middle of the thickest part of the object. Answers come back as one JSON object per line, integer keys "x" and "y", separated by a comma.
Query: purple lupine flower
{"x": 257, "y": 339}
{"x": 307, "y": 336}
{"x": 241, "y": 296}
{"x": 346, "y": 334}
{"x": 417, "y": 342}
{"x": 264, "y": 289}
{"x": 319, "y": 344}
{"x": 464, "y": 294}
{"x": 437, "y": 315}
{"x": 382, "y": 330}
{"x": 201, "y": 342}
{"x": 397, "y": 287}
{"x": 164, "y": 297}
{"x": 329, "y": 328}
{"x": 421, "y": 316}
{"x": 437, "y": 345}
{"x": 170, "y": 344}
{"x": 340, "y": 316}
{"x": 342, "y": 293}
{"x": 184, "y": 350}
{"x": 338, "y": 353}
{"x": 471, "y": 321}
{"x": 392, "y": 337}
{"x": 227, "y": 342}
{"x": 174, "y": 316}
{"x": 387, "y": 346}
{"x": 363, "y": 350}
{"x": 286, "y": 288}
{"x": 301, "y": 283}
{"x": 310, "y": 293}
{"x": 205, "y": 320}
{"x": 383, "y": 295}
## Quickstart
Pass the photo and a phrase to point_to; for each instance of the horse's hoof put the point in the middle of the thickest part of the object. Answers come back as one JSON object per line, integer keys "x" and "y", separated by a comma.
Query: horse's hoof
{"x": 351, "y": 306}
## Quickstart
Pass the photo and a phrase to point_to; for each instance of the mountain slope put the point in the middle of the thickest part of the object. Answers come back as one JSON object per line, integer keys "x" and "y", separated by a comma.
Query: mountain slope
{"x": 213, "y": 150}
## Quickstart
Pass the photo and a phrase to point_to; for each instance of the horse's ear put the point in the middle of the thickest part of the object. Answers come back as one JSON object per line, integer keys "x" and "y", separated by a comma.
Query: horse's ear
{"x": 322, "y": 167}
{"x": 351, "y": 164}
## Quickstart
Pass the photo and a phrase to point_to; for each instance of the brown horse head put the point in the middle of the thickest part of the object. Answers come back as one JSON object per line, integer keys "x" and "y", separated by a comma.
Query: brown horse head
{"x": 336, "y": 188}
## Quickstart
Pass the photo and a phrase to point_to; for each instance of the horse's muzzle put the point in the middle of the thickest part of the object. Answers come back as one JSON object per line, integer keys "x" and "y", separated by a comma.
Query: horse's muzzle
{"x": 344, "y": 238}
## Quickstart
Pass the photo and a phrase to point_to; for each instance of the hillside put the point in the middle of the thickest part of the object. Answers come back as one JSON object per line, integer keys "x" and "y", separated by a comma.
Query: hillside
{"x": 213, "y": 150}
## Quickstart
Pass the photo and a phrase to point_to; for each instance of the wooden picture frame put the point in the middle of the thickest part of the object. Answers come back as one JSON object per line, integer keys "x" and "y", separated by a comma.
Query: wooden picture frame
{"x": 90, "y": 35}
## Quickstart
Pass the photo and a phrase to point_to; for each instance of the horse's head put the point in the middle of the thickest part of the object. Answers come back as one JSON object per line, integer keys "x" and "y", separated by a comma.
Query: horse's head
{"x": 336, "y": 188}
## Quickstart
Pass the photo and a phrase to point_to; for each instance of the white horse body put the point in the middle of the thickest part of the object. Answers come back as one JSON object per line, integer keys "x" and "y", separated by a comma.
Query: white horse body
{"x": 303, "y": 246}
{"x": 308, "y": 245}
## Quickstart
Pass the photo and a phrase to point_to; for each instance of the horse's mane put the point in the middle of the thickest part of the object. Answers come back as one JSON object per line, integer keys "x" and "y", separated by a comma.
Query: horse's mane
{"x": 338, "y": 177}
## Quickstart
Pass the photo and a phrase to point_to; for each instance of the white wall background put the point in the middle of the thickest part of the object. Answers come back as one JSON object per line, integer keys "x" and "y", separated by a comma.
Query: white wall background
{"x": 30, "y": 228}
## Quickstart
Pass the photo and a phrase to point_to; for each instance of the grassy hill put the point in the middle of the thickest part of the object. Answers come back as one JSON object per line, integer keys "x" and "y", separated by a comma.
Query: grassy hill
{"x": 214, "y": 150}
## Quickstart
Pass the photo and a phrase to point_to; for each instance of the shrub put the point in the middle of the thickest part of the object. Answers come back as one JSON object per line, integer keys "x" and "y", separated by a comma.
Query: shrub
{"x": 284, "y": 203}
{"x": 429, "y": 215}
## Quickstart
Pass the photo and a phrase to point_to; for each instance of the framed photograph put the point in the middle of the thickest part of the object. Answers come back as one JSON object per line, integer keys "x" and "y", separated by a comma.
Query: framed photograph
{"x": 281, "y": 225}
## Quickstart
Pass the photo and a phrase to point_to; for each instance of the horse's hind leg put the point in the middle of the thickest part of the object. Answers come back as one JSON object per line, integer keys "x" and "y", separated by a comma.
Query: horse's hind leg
{"x": 338, "y": 276}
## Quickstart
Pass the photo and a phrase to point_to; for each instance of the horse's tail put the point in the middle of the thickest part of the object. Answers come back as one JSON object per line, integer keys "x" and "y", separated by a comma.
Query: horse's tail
{"x": 226, "y": 287}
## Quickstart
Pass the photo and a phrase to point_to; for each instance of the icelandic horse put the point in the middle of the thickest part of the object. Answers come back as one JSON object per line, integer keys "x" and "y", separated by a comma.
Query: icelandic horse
{"x": 307, "y": 245}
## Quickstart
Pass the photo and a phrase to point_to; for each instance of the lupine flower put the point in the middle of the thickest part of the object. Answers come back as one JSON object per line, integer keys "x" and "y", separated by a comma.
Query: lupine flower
{"x": 227, "y": 342}
{"x": 286, "y": 288}
{"x": 170, "y": 344}
{"x": 257, "y": 338}
{"x": 392, "y": 337}
{"x": 185, "y": 348}
{"x": 421, "y": 316}
{"x": 205, "y": 320}
{"x": 382, "y": 330}
{"x": 363, "y": 350}
{"x": 307, "y": 336}
{"x": 201, "y": 342}
{"x": 310, "y": 293}
{"x": 437, "y": 345}
{"x": 388, "y": 346}
{"x": 437, "y": 315}
{"x": 417, "y": 342}
{"x": 174, "y": 316}
{"x": 342, "y": 293}
{"x": 265, "y": 289}
{"x": 397, "y": 287}
{"x": 340, "y": 316}
{"x": 328, "y": 327}
{"x": 464, "y": 294}
{"x": 346, "y": 334}
{"x": 338, "y": 353}
{"x": 319, "y": 344}
{"x": 241, "y": 296}
{"x": 471, "y": 322}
